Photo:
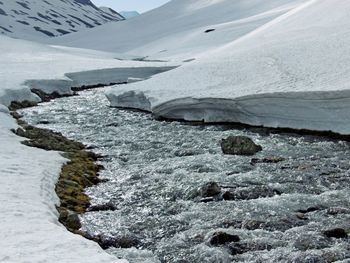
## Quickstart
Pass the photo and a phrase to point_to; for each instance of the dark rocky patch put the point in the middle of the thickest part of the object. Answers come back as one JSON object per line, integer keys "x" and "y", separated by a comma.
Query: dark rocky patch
{"x": 5, "y": 29}
{"x": 69, "y": 219}
{"x": 244, "y": 247}
{"x": 88, "y": 25}
{"x": 249, "y": 193}
{"x": 210, "y": 189}
{"x": 45, "y": 97}
{"x": 24, "y": 5}
{"x": 101, "y": 207}
{"x": 271, "y": 159}
{"x": 222, "y": 238}
{"x": 16, "y": 105}
{"x": 23, "y": 22}
{"x": 44, "y": 122}
{"x": 239, "y": 145}
{"x": 338, "y": 210}
{"x": 309, "y": 210}
{"x": 207, "y": 200}
{"x": 48, "y": 33}
{"x": 209, "y": 30}
{"x": 63, "y": 32}
{"x": 228, "y": 196}
{"x": 336, "y": 233}
{"x": 106, "y": 242}
{"x": 48, "y": 140}
{"x": 37, "y": 19}
{"x": 2, "y": 12}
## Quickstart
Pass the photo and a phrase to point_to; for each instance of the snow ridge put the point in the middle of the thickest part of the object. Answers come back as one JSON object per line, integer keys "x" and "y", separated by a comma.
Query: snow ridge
{"x": 38, "y": 19}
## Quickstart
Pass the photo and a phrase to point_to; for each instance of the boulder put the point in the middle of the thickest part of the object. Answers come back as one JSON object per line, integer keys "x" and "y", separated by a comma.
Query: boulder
{"x": 336, "y": 233}
{"x": 222, "y": 238}
{"x": 210, "y": 189}
{"x": 239, "y": 145}
{"x": 69, "y": 219}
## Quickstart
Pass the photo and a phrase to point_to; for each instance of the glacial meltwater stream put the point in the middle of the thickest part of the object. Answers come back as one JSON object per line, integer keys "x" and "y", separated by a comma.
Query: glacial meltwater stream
{"x": 279, "y": 211}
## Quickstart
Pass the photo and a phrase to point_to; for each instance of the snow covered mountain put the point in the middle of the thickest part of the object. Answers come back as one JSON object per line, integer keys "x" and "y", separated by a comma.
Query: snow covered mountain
{"x": 37, "y": 19}
{"x": 181, "y": 27}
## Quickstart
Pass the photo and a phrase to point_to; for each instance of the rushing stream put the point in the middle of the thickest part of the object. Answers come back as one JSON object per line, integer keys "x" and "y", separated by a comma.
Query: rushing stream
{"x": 155, "y": 169}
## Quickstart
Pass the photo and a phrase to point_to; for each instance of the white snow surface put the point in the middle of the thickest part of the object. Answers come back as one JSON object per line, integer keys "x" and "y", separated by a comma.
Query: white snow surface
{"x": 38, "y": 19}
{"x": 177, "y": 29}
{"x": 291, "y": 72}
{"x": 25, "y": 65}
{"x": 29, "y": 227}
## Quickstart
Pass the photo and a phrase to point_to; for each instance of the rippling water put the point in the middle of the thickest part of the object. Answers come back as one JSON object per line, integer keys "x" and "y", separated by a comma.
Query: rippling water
{"x": 155, "y": 169}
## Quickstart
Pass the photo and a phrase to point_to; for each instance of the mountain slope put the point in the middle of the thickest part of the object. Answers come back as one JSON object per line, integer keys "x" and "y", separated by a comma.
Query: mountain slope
{"x": 112, "y": 12}
{"x": 292, "y": 72}
{"x": 181, "y": 27}
{"x": 37, "y": 19}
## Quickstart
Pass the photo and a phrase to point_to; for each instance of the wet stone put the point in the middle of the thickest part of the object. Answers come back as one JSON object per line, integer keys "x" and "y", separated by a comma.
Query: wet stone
{"x": 336, "y": 233}
{"x": 16, "y": 105}
{"x": 118, "y": 242}
{"x": 210, "y": 189}
{"x": 271, "y": 159}
{"x": 239, "y": 145}
{"x": 102, "y": 207}
{"x": 244, "y": 247}
{"x": 338, "y": 210}
{"x": 222, "y": 238}
{"x": 228, "y": 196}
{"x": 310, "y": 209}
{"x": 69, "y": 219}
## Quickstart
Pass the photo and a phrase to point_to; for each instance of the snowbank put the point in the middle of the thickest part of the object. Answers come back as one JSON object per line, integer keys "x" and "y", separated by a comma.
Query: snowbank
{"x": 29, "y": 226}
{"x": 291, "y": 72}
{"x": 26, "y": 65}
{"x": 178, "y": 29}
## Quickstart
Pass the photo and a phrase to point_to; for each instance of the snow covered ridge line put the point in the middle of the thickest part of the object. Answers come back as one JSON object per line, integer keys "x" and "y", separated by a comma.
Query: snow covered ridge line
{"x": 38, "y": 19}
{"x": 314, "y": 111}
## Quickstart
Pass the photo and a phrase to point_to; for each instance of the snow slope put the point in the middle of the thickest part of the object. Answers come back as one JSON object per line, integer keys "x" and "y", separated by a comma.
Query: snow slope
{"x": 112, "y": 12}
{"x": 37, "y": 19}
{"x": 26, "y": 65}
{"x": 291, "y": 72}
{"x": 177, "y": 29}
